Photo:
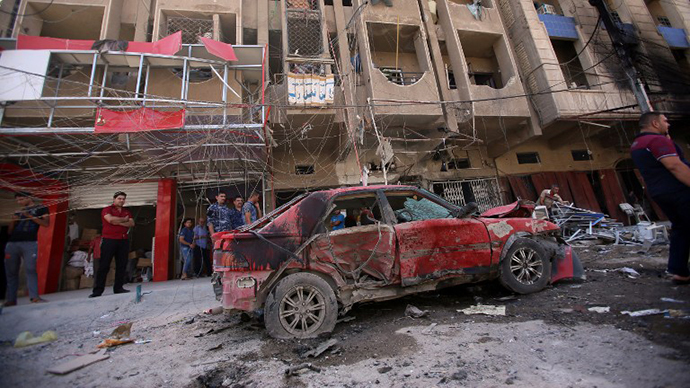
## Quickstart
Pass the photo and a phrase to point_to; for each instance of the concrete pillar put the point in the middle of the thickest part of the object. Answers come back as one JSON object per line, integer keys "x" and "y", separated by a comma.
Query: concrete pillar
{"x": 51, "y": 245}
{"x": 164, "y": 249}
{"x": 262, "y": 22}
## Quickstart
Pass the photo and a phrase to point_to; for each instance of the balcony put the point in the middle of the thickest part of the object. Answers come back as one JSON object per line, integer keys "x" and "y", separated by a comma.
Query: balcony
{"x": 675, "y": 37}
{"x": 560, "y": 27}
{"x": 485, "y": 18}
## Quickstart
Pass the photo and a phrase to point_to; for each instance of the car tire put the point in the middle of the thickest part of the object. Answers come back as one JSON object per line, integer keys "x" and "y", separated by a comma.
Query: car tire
{"x": 285, "y": 318}
{"x": 526, "y": 268}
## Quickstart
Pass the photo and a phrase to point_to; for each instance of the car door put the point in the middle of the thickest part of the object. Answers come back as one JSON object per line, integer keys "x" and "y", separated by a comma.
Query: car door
{"x": 363, "y": 250}
{"x": 434, "y": 244}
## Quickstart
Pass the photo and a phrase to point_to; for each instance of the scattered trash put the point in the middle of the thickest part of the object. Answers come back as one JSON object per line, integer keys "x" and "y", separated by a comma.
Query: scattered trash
{"x": 414, "y": 312}
{"x": 212, "y": 331}
{"x": 189, "y": 322}
{"x": 505, "y": 298}
{"x": 600, "y": 309}
{"x": 643, "y": 313}
{"x": 567, "y": 311}
{"x": 671, "y": 300}
{"x": 295, "y": 370}
{"x": 96, "y": 333}
{"x": 485, "y": 309}
{"x": 320, "y": 349}
{"x": 218, "y": 347}
{"x": 345, "y": 319}
{"x": 384, "y": 369}
{"x": 677, "y": 314}
{"x": 140, "y": 342}
{"x": 429, "y": 329}
{"x": 78, "y": 363}
{"x": 25, "y": 338}
{"x": 576, "y": 286}
{"x": 214, "y": 311}
{"x": 631, "y": 272}
{"x": 119, "y": 336}
{"x": 105, "y": 316}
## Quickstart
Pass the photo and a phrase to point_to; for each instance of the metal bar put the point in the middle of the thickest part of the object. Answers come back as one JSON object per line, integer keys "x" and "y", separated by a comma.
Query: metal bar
{"x": 118, "y": 152}
{"x": 146, "y": 85}
{"x": 93, "y": 72}
{"x": 141, "y": 69}
{"x": 184, "y": 76}
{"x": 89, "y": 130}
{"x": 105, "y": 76}
{"x": 57, "y": 90}
{"x": 225, "y": 94}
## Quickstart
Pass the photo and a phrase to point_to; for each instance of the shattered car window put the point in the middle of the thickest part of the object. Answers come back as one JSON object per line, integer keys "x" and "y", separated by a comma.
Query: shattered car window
{"x": 422, "y": 209}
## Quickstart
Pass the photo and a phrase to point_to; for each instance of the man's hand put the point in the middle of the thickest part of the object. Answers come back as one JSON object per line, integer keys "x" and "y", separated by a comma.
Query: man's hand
{"x": 676, "y": 167}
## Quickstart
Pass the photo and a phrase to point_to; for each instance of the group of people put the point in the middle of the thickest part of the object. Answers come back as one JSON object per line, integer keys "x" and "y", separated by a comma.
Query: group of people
{"x": 196, "y": 241}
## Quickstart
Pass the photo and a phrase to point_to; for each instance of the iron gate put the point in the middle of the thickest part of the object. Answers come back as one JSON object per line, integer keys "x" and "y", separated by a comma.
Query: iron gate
{"x": 484, "y": 191}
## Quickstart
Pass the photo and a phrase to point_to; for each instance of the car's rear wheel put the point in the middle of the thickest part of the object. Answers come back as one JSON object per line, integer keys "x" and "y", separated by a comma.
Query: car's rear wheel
{"x": 302, "y": 305}
{"x": 526, "y": 267}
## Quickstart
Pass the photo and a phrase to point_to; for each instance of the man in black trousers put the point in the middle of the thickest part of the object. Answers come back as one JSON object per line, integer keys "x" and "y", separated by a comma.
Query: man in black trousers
{"x": 115, "y": 243}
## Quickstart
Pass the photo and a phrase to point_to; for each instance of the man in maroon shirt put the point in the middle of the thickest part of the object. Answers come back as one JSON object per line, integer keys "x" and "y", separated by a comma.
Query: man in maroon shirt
{"x": 115, "y": 243}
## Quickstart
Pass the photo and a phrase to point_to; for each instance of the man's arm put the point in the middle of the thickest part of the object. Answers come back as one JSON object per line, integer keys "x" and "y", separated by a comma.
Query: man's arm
{"x": 540, "y": 201}
{"x": 258, "y": 210}
{"x": 247, "y": 218}
{"x": 13, "y": 223}
{"x": 41, "y": 219}
{"x": 676, "y": 167}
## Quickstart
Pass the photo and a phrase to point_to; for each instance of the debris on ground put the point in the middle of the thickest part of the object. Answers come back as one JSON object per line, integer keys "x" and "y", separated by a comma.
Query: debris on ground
{"x": 25, "y": 338}
{"x": 413, "y": 312}
{"x": 671, "y": 300}
{"x": 119, "y": 336}
{"x": 599, "y": 309}
{"x": 643, "y": 313}
{"x": 485, "y": 309}
{"x": 384, "y": 369}
{"x": 429, "y": 329}
{"x": 297, "y": 369}
{"x": 630, "y": 272}
{"x": 140, "y": 342}
{"x": 677, "y": 314}
{"x": 78, "y": 363}
{"x": 217, "y": 347}
{"x": 214, "y": 311}
{"x": 345, "y": 319}
{"x": 212, "y": 331}
{"x": 320, "y": 349}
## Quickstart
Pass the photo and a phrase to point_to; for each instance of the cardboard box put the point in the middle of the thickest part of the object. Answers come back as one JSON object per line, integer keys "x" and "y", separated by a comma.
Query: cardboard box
{"x": 145, "y": 263}
{"x": 85, "y": 282}
{"x": 89, "y": 234}
{"x": 132, "y": 255}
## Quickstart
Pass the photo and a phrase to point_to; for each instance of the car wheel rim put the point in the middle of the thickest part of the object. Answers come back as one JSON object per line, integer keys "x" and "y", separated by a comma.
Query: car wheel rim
{"x": 526, "y": 266}
{"x": 302, "y": 310}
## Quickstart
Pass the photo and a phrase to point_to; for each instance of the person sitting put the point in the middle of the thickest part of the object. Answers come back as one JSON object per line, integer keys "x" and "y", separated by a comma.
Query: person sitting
{"x": 337, "y": 220}
{"x": 550, "y": 196}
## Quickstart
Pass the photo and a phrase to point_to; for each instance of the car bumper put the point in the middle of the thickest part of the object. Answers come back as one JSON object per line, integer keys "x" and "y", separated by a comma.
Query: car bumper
{"x": 241, "y": 288}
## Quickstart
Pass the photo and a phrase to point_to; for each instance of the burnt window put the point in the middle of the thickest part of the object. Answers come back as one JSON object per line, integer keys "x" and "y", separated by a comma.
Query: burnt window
{"x": 664, "y": 21}
{"x": 581, "y": 155}
{"x": 528, "y": 158}
{"x": 451, "y": 80}
{"x": 304, "y": 169}
{"x": 459, "y": 163}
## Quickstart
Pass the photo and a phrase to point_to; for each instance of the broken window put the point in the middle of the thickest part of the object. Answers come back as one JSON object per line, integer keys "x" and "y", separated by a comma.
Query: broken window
{"x": 664, "y": 21}
{"x": 487, "y": 58}
{"x": 581, "y": 155}
{"x": 409, "y": 207}
{"x": 399, "y": 53}
{"x": 571, "y": 66}
{"x": 304, "y": 170}
{"x": 64, "y": 21}
{"x": 359, "y": 210}
{"x": 528, "y": 158}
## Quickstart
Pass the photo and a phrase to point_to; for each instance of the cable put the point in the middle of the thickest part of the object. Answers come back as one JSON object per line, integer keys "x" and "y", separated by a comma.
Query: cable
{"x": 28, "y": 14}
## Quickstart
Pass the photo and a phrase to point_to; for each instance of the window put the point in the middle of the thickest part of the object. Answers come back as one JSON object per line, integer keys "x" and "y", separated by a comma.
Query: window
{"x": 483, "y": 79}
{"x": 411, "y": 206}
{"x": 358, "y": 210}
{"x": 451, "y": 78}
{"x": 460, "y": 163}
{"x": 304, "y": 169}
{"x": 393, "y": 75}
{"x": 663, "y": 21}
{"x": 581, "y": 155}
{"x": 573, "y": 71}
{"x": 528, "y": 158}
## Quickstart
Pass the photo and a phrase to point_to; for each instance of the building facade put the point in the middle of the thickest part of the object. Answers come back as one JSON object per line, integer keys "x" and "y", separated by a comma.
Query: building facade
{"x": 484, "y": 101}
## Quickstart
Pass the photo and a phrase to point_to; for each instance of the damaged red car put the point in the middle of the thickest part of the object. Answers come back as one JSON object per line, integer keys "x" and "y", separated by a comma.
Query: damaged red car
{"x": 302, "y": 268}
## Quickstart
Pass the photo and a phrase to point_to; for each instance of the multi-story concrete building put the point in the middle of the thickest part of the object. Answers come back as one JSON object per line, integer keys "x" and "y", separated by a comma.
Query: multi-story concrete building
{"x": 476, "y": 100}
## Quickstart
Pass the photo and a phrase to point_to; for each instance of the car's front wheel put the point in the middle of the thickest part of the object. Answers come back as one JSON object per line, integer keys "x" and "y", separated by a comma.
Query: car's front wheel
{"x": 526, "y": 267}
{"x": 302, "y": 305}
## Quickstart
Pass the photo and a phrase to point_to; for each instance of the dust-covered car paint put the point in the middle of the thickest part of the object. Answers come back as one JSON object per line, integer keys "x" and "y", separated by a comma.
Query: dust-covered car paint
{"x": 387, "y": 258}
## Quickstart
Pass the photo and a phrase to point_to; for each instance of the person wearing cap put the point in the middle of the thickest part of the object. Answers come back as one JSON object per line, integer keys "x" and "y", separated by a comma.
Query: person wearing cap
{"x": 23, "y": 244}
{"x": 115, "y": 243}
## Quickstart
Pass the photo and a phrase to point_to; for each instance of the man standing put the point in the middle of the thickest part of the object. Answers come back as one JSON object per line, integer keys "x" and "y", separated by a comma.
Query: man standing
{"x": 218, "y": 215}
{"x": 236, "y": 214}
{"x": 251, "y": 209}
{"x": 201, "y": 240}
{"x": 115, "y": 243}
{"x": 667, "y": 176}
{"x": 549, "y": 196}
{"x": 23, "y": 243}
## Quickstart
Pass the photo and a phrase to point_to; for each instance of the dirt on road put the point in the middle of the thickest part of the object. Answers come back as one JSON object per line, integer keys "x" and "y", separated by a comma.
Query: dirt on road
{"x": 573, "y": 334}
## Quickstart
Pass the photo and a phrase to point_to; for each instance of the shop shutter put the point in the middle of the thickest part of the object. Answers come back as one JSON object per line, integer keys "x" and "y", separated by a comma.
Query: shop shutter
{"x": 98, "y": 196}
{"x": 8, "y": 205}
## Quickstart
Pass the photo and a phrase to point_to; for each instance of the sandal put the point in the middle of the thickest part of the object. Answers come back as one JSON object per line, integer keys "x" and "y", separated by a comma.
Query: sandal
{"x": 38, "y": 300}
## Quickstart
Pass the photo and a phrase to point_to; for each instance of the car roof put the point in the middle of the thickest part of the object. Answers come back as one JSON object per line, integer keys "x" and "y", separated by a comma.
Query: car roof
{"x": 350, "y": 189}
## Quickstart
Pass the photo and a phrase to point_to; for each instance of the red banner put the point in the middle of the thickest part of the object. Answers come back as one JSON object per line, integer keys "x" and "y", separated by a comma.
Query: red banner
{"x": 166, "y": 46}
{"x": 219, "y": 49}
{"x": 139, "y": 120}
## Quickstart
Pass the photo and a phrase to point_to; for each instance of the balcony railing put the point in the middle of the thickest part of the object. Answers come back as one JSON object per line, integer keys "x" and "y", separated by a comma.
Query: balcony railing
{"x": 401, "y": 77}
{"x": 675, "y": 37}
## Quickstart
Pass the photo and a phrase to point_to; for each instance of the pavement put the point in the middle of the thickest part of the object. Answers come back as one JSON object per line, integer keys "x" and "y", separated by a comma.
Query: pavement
{"x": 73, "y": 311}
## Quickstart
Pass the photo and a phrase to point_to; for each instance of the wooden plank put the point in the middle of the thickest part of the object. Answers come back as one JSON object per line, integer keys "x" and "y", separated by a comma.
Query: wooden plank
{"x": 613, "y": 194}
{"x": 78, "y": 363}
{"x": 582, "y": 191}
{"x": 565, "y": 193}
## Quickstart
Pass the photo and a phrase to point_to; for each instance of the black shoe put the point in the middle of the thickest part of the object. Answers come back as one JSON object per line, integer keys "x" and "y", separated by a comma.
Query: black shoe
{"x": 121, "y": 291}
{"x": 94, "y": 295}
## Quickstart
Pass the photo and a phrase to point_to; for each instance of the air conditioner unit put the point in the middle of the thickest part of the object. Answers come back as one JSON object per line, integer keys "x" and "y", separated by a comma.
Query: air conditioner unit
{"x": 546, "y": 9}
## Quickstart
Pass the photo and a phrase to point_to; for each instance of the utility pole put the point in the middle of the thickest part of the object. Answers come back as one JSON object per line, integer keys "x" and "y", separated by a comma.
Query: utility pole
{"x": 623, "y": 54}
